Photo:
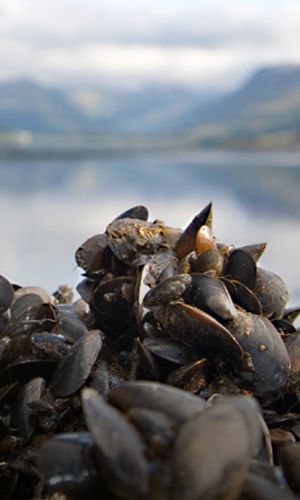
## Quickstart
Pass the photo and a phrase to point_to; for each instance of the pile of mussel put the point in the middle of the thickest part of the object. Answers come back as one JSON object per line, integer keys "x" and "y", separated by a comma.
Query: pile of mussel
{"x": 174, "y": 376}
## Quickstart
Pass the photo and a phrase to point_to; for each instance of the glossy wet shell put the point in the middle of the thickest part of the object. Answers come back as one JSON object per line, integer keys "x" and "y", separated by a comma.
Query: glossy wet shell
{"x": 168, "y": 290}
{"x": 200, "y": 331}
{"x": 187, "y": 240}
{"x": 212, "y": 452}
{"x": 179, "y": 405}
{"x": 272, "y": 293}
{"x": 211, "y": 295}
{"x": 75, "y": 368}
{"x": 270, "y": 359}
{"x": 241, "y": 267}
{"x": 120, "y": 447}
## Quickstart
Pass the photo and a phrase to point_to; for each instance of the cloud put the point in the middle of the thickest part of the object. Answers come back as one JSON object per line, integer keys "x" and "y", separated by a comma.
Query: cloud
{"x": 191, "y": 43}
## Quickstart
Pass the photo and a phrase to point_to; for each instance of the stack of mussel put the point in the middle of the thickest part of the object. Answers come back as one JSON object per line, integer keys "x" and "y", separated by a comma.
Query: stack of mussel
{"x": 174, "y": 376}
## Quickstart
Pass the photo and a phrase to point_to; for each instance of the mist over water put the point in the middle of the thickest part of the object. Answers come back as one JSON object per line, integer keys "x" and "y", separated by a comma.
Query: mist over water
{"x": 48, "y": 209}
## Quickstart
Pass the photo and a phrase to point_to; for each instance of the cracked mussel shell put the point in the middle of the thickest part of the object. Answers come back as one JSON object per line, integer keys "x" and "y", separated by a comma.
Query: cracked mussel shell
{"x": 174, "y": 376}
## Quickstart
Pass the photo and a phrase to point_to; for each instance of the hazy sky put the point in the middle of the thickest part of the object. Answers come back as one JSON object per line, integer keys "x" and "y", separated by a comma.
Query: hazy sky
{"x": 203, "y": 43}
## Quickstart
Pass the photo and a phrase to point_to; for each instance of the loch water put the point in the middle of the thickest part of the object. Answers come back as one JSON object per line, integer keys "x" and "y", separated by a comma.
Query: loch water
{"x": 49, "y": 207}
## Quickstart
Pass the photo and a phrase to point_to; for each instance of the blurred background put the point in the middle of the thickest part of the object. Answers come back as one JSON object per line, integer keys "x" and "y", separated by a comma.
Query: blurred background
{"x": 104, "y": 105}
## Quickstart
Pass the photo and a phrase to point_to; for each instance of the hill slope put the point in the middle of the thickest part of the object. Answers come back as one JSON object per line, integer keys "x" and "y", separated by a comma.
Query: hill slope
{"x": 264, "y": 112}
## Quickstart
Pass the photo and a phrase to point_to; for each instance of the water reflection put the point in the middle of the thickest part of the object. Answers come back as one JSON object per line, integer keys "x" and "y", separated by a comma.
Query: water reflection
{"x": 43, "y": 222}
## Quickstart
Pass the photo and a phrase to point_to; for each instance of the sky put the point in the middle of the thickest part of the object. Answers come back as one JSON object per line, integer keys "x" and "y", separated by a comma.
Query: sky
{"x": 200, "y": 44}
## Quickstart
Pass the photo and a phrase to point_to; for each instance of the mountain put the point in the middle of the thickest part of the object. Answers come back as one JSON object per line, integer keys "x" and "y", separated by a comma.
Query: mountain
{"x": 265, "y": 110}
{"x": 262, "y": 113}
{"x": 25, "y": 105}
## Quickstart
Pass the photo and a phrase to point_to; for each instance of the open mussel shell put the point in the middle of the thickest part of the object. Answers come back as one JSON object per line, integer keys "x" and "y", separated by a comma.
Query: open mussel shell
{"x": 6, "y": 294}
{"x": 168, "y": 290}
{"x": 242, "y": 296}
{"x": 212, "y": 451}
{"x": 177, "y": 404}
{"x": 120, "y": 449}
{"x": 272, "y": 293}
{"x": 187, "y": 240}
{"x": 201, "y": 332}
{"x": 260, "y": 339}
{"x": 210, "y": 294}
{"x": 75, "y": 368}
{"x": 65, "y": 464}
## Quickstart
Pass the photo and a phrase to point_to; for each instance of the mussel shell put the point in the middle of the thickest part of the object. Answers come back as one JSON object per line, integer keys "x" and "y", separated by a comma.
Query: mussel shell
{"x": 137, "y": 212}
{"x": 23, "y": 303}
{"x": 211, "y": 260}
{"x": 120, "y": 448}
{"x": 241, "y": 267}
{"x": 272, "y": 293}
{"x": 186, "y": 241}
{"x": 212, "y": 452}
{"x": 114, "y": 298}
{"x": 168, "y": 349}
{"x": 259, "y": 338}
{"x": 293, "y": 347}
{"x": 243, "y": 296}
{"x": 289, "y": 458}
{"x": 177, "y": 404}
{"x": 284, "y": 326}
{"x": 168, "y": 290}
{"x": 210, "y": 294}
{"x": 26, "y": 369}
{"x": 192, "y": 377}
{"x": 23, "y": 421}
{"x": 255, "y": 250}
{"x": 75, "y": 368}
{"x": 36, "y": 290}
{"x": 65, "y": 463}
{"x": 69, "y": 324}
{"x": 156, "y": 428}
{"x": 38, "y": 318}
{"x": 6, "y": 294}
{"x": 200, "y": 331}
{"x": 93, "y": 254}
{"x": 142, "y": 362}
{"x": 134, "y": 241}
{"x": 291, "y": 314}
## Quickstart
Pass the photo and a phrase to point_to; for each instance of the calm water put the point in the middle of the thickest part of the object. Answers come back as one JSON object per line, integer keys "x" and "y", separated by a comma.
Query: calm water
{"x": 48, "y": 208}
